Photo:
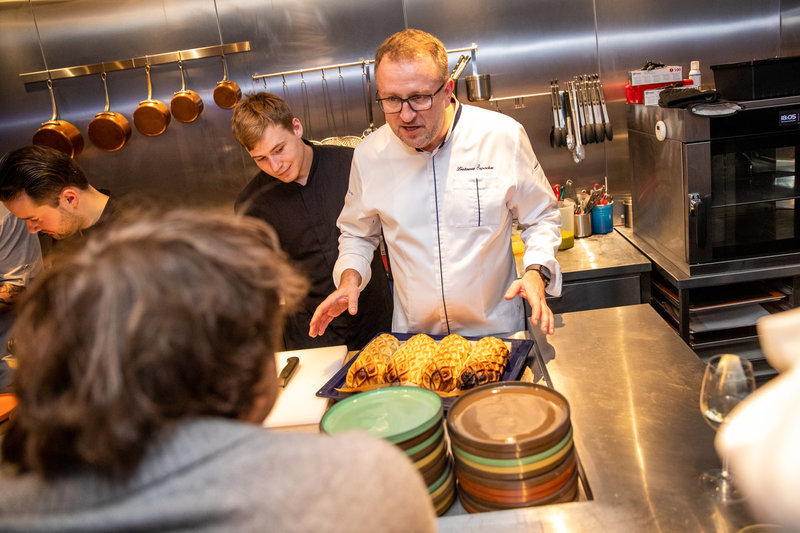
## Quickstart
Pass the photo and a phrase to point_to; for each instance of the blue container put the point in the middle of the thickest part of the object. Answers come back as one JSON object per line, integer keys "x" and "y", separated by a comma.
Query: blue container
{"x": 602, "y": 218}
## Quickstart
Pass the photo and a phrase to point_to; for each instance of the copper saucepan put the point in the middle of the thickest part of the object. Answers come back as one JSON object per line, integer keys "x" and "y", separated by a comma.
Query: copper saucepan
{"x": 59, "y": 134}
{"x": 109, "y": 130}
{"x": 227, "y": 92}
{"x": 186, "y": 105}
{"x": 152, "y": 117}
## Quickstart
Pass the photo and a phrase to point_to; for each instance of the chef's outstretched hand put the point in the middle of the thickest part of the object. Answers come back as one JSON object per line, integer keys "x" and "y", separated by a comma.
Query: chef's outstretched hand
{"x": 531, "y": 287}
{"x": 345, "y": 297}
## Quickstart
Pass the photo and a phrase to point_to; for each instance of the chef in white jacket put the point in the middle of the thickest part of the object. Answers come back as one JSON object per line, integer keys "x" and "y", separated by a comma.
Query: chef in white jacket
{"x": 443, "y": 182}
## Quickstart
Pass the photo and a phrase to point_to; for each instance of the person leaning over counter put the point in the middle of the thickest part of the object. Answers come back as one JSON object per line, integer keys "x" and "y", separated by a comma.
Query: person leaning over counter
{"x": 443, "y": 181}
{"x": 146, "y": 365}
{"x": 300, "y": 192}
{"x": 49, "y": 191}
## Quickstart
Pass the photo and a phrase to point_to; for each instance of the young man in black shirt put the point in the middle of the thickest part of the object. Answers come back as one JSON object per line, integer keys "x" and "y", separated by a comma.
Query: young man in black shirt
{"x": 300, "y": 192}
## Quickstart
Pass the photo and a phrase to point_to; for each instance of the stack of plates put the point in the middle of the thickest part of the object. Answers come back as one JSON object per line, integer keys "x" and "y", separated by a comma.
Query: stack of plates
{"x": 409, "y": 417}
{"x": 512, "y": 445}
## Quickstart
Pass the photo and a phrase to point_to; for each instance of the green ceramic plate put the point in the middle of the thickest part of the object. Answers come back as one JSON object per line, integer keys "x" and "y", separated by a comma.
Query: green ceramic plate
{"x": 394, "y": 413}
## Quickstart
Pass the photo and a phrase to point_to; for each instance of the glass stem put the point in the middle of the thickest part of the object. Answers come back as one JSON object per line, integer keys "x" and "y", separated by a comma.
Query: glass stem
{"x": 725, "y": 474}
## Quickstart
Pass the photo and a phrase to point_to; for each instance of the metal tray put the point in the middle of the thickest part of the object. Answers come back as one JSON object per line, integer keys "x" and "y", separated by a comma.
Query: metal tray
{"x": 518, "y": 354}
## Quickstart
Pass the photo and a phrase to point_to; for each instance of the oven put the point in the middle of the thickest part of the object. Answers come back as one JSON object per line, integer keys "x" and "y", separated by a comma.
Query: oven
{"x": 713, "y": 194}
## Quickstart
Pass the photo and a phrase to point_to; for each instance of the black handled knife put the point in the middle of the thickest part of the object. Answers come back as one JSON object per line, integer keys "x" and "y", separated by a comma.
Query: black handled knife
{"x": 288, "y": 371}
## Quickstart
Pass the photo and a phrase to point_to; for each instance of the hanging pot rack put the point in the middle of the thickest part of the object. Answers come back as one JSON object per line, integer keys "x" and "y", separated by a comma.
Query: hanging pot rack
{"x": 136, "y": 62}
{"x": 360, "y": 62}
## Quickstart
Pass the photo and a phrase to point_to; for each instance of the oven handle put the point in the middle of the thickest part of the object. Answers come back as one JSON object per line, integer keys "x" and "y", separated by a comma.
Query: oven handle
{"x": 697, "y": 220}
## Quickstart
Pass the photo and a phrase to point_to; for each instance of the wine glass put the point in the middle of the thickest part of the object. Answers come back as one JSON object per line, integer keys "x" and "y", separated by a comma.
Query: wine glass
{"x": 727, "y": 380}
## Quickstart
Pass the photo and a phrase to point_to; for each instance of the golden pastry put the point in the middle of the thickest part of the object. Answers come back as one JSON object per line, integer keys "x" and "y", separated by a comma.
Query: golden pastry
{"x": 407, "y": 362}
{"x": 370, "y": 366}
{"x": 441, "y": 372}
{"x": 486, "y": 364}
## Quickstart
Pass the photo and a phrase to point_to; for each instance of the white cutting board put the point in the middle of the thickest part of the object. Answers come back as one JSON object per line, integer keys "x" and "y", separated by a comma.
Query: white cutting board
{"x": 297, "y": 403}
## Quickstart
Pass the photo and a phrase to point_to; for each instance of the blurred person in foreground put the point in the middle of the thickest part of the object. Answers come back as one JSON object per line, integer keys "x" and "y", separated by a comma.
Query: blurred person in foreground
{"x": 48, "y": 190}
{"x": 761, "y": 437}
{"x": 146, "y": 364}
{"x": 443, "y": 182}
{"x": 300, "y": 192}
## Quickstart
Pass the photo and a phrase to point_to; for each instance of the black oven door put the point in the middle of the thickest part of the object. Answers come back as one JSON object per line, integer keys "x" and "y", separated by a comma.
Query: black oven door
{"x": 753, "y": 207}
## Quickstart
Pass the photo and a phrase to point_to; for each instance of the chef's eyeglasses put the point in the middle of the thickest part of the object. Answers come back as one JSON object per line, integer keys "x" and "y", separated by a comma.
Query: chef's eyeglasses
{"x": 418, "y": 102}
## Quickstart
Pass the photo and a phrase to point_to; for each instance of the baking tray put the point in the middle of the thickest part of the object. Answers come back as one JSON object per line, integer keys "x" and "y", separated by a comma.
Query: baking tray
{"x": 518, "y": 354}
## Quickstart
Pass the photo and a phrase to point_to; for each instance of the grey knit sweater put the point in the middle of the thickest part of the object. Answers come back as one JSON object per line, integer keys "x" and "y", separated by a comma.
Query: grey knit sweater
{"x": 224, "y": 475}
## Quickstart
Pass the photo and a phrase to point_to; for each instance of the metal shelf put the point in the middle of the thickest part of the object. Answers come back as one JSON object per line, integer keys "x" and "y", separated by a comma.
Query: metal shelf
{"x": 360, "y": 62}
{"x": 136, "y": 62}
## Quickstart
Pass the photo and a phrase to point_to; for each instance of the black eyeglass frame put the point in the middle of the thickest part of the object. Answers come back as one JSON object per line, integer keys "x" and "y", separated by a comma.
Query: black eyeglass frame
{"x": 408, "y": 100}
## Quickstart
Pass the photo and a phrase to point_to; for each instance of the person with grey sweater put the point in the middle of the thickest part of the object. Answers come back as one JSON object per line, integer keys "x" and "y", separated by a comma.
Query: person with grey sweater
{"x": 145, "y": 366}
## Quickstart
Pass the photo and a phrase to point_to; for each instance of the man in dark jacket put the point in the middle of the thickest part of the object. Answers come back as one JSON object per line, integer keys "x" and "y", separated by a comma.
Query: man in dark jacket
{"x": 300, "y": 192}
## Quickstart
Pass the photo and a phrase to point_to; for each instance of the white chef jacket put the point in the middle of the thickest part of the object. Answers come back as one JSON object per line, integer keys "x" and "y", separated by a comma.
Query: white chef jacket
{"x": 446, "y": 217}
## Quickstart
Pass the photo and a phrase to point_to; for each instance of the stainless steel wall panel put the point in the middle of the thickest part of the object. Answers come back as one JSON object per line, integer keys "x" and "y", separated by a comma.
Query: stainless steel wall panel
{"x": 197, "y": 163}
{"x": 790, "y": 28}
{"x": 523, "y": 45}
{"x": 630, "y": 32}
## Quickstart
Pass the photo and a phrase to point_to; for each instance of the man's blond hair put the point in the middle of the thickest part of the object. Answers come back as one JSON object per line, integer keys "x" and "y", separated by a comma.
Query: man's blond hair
{"x": 412, "y": 44}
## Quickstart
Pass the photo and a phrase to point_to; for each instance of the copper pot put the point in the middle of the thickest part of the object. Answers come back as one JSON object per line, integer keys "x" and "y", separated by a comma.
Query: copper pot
{"x": 59, "y": 134}
{"x": 227, "y": 92}
{"x": 152, "y": 117}
{"x": 109, "y": 130}
{"x": 186, "y": 105}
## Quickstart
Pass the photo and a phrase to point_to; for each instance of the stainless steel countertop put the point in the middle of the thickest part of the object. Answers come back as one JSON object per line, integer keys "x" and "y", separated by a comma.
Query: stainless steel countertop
{"x": 633, "y": 388}
{"x": 597, "y": 256}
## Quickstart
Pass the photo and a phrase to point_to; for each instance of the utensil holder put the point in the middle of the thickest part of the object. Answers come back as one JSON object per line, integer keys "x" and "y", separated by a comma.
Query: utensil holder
{"x": 602, "y": 218}
{"x": 582, "y": 225}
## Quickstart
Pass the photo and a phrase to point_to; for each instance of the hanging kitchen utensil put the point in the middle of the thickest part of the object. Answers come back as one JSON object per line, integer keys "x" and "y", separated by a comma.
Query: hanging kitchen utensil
{"x": 479, "y": 86}
{"x": 307, "y": 131}
{"x": 606, "y": 118}
{"x": 227, "y": 92}
{"x": 58, "y": 134}
{"x": 457, "y": 70}
{"x": 558, "y": 135}
{"x": 578, "y": 153}
{"x": 109, "y": 130}
{"x": 55, "y": 133}
{"x": 343, "y": 101}
{"x": 581, "y": 110}
{"x": 152, "y": 117}
{"x": 568, "y": 120}
{"x": 587, "y": 111}
{"x": 186, "y": 105}
{"x": 327, "y": 103}
{"x": 367, "y": 99}
{"x": 599, "y": 130}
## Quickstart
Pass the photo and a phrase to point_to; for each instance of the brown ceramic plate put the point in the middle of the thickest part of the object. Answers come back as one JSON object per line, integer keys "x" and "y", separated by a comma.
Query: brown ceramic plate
{"x": 515, "y": 474}
{"x": 428, "y": 446}
{"x": 509, "y": 417}
{"x": 422, "y": 437}
{"x": 567, "y": 465}
{"x": 520, "y": 494}
{"x": 496, "y": 458}
{"x": 432, "y": 472}
{"x": 473, "y": 504}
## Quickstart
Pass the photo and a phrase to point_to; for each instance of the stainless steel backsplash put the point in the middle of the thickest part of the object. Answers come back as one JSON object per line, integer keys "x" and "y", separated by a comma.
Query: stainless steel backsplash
{"x": 522, "y": 44}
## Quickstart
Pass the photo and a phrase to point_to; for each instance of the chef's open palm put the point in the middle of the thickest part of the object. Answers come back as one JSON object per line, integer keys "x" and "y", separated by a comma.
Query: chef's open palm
{"x": 343, "y": 298}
